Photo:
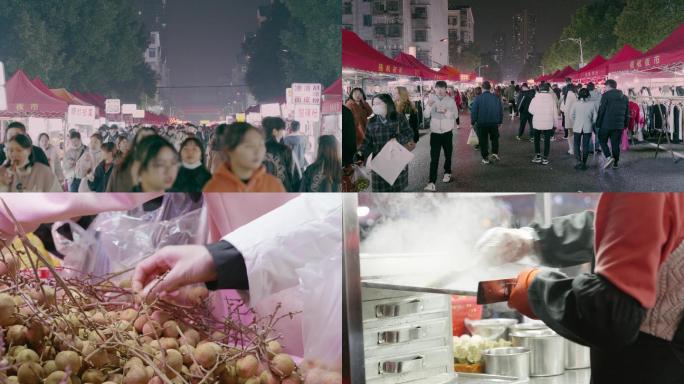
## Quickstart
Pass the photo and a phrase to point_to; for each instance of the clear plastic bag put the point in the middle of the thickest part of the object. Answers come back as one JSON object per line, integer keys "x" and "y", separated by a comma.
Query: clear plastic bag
{"x": 361, "y": 178}
{"x": 117, "y": 241}
{"x": 320, "y": 284}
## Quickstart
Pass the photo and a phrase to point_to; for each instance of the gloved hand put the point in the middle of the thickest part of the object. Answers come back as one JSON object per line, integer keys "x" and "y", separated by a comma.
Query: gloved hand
{"x": 518, "y": 299}
{"x": 186, "y": 264}
{"x": 500, "y": 246}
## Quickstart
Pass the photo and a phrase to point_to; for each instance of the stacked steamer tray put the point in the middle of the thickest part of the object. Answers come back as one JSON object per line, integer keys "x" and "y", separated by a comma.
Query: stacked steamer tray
{"x": 407, "y": 337}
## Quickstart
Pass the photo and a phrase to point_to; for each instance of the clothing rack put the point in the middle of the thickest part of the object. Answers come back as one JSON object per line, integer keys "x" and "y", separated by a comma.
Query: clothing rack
{"x": 666, "y": 129}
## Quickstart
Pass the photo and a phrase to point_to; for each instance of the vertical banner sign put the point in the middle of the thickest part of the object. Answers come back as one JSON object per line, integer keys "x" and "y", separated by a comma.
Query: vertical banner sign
{"x": 307, "y": 101}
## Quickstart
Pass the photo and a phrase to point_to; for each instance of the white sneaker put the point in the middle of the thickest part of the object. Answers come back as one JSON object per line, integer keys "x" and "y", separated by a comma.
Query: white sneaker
{"x": 537, "y": 160}
{"x": 494, "y": 157}
{"x": 430, "y": 187}
{"x": 447, "y": 178}
{"x": 608, "y": 162}
{"x": 485, "y": 161}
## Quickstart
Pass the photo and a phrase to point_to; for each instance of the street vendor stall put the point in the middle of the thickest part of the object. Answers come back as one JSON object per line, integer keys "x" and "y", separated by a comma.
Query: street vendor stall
{"x": 85, "y": 319}
{"x": 410, "y": 293}
{"x": 39, "y": 111}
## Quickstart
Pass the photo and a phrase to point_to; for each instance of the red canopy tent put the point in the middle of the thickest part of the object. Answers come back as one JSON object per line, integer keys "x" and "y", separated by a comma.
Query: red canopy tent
{"x": 67, "y": 96}
{"x": 356, "y": 54}
{"x": 24, "y": 99}
{"x": 668, "y": 52}
{"x": 335, "y": 89}
{"x": 560, "y": 76}
{"x": 548, "y": 76}
{"x": 601, "y": 71}
{"x": 38, "y": 82}
{"x": 450, "y": 73}
{"x": 423, "y": 70}
{"x": 587, "y": 71}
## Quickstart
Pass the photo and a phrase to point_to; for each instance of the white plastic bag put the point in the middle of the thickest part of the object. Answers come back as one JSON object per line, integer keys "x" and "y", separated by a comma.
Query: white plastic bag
{"x": 320, "y": 284}
{"x": 361, "y": 178}
{"x": 117, "y": 241}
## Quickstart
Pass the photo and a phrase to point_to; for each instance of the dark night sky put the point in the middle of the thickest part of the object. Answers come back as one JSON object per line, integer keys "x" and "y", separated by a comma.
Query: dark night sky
{"x": 202, "y": 40}
{"x": 491, "y": 15}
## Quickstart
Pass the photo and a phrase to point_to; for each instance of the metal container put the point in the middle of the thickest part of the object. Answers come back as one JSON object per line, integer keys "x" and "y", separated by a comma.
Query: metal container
{"x": 576, "y": 356}
{"x": 529, "y": 326}
{"x": 547, "y": 351}
{"x": 511, "y": 361}
{"x": 491, "y": 329}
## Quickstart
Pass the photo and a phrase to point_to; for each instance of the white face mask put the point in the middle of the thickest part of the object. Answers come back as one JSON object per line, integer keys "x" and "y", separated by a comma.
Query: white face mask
{"x": 380, "y": 110}
{"x": 192, "y": 165}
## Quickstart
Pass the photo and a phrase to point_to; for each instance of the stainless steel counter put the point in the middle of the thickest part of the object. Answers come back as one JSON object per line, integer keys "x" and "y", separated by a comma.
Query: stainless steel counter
{"x": 571, "y": 376}
{"x": 574, "y": 376}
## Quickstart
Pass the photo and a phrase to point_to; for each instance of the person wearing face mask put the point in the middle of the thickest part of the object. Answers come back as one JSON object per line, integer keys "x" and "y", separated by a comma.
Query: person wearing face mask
{"x": 386, "y": 124}
{"x": 85, "y": 166}
{"x": 442, "y": 111}
{"x": 278, "y": 160}
{"x": 97, "y": 180}
{"x": 193, "y": 174}
{"x": 361, "y": 110}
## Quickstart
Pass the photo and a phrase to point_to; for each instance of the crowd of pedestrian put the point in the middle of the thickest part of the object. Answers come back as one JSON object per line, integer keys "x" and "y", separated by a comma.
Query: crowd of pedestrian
{"x": 236, "y": 157}
{"x": 581, "y": 111}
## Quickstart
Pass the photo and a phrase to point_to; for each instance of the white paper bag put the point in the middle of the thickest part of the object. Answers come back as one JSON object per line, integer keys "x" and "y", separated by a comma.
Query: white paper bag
{"x": 391, "y": 160}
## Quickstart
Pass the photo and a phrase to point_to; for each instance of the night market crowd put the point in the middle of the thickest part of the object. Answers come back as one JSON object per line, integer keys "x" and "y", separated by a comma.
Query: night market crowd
{"x": 591, "y": 122}
{"x": 237, "y": 157}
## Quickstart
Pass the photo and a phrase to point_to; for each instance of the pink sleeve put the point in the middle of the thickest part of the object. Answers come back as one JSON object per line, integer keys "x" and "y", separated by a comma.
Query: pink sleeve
{"x": 33, "y": 209}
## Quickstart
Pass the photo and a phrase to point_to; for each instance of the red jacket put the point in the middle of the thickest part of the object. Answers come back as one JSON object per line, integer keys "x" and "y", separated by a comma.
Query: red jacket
{"x": 635, "y": 233}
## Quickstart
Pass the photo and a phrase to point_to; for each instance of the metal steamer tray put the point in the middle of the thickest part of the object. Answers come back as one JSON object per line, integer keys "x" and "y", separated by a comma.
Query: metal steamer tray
{"x": 429, "y": 272}
{"x": 406, "y": 311}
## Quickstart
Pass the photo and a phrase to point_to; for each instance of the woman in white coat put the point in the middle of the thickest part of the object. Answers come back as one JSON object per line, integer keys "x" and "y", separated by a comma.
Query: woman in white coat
{"x": 583, "y": 113}
{"x": 544, "y": 112}
{"x": 567, "y": 102}
{"x": 262, "y": 259}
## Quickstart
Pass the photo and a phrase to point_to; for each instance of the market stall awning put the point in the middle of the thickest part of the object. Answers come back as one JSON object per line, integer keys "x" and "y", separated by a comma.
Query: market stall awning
{"x": 67, "y": 96}
{"x": 547, "y": 76}
{"x": 450, "y": 73}
{"x": 589, "y": 70}
{"x": 423, "y": 71}
{"x": 627, "y": 52}
{"x": 560, "y": 76}
{"x": 24, "y": 99}
{"x": 356, "y": 54}
{"x": 38, "y": 82}
{"x": 668, "y": 52}
{"x": 334, "y": 89}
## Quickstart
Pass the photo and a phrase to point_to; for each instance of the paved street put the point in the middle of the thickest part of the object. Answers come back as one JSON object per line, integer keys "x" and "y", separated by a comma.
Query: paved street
{"x": 639, "y": 171}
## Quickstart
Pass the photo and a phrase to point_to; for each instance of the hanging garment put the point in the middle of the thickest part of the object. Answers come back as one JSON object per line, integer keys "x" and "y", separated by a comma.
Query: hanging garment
{"x": 634, "y": 115}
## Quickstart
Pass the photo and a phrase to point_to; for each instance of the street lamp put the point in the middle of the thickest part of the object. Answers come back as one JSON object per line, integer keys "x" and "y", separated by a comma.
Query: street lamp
{"x": 577, "y": 40}
{"x": 444, "y": 40}
{"x": 479, "y": 69}
{"x": 542, "y": 67}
